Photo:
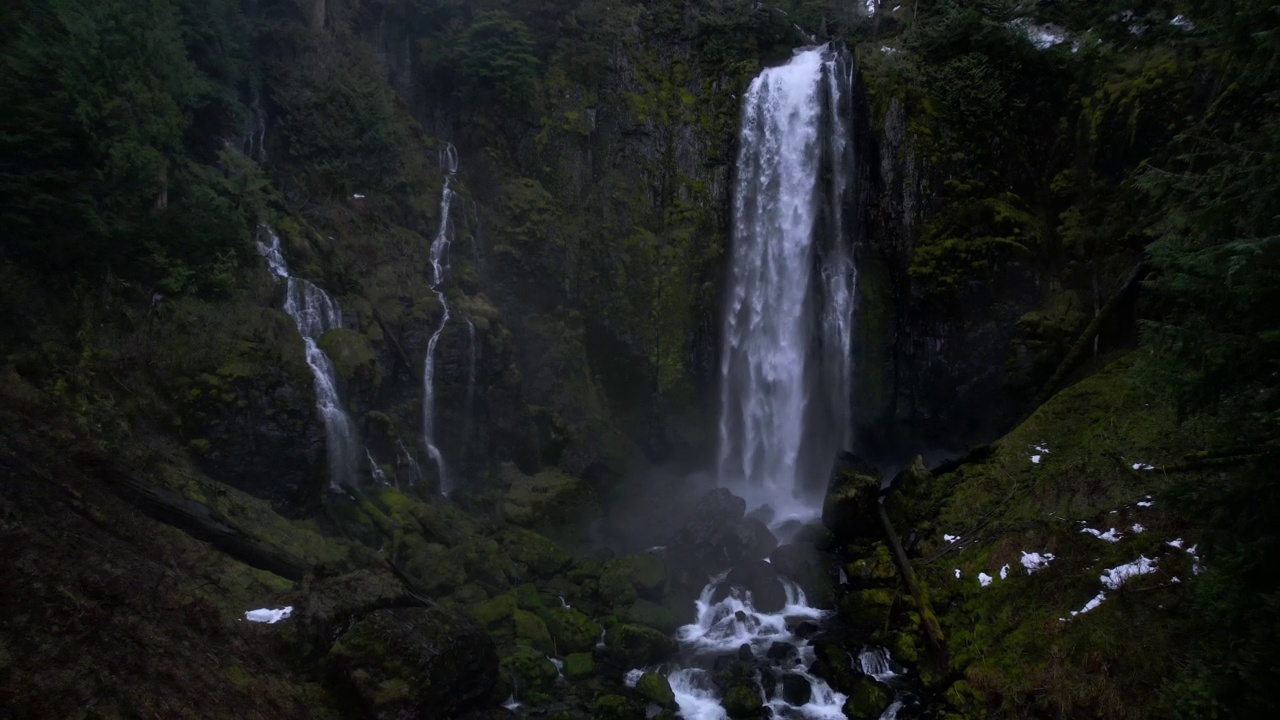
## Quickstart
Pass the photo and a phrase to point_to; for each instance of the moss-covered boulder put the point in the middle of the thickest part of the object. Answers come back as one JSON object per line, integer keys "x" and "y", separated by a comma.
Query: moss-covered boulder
{"x": 810, "y": 568}
{"x": 850, "y": 509}
{"x": 530, "y": 671}
{"x": 650, "y": 614}
{"x": 634, "y": 646}
{"x": 624, "y": 580}
{"x": 547, "y": 499}
{"x": 867, "y": 700}
{"x": 579, "y": 666}
{"x": 536, "y": 555}
{"x": 834, "y": 664}
{"x": 331, "y": 604}
{"x": 870, "y": 607}
{"x": 617, "y": 707}
{"x": 876, "y": 568}
{"x": 571, "y": 629}
{"x": 909, "y": 495}
{"x": 416, "y": 662}
{"x": 531, "y": 629}
{"x": 654, "y": 688}
{"x": 743, "y": 702}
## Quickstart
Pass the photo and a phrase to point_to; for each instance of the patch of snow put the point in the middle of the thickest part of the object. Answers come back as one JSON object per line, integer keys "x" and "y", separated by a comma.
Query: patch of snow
{"x": 1196, "y": 567}
{"x": 1095, "y": 602}
{"x": 1117, "y": 576}
{"x": 1004, "y": 572}
{"x": 888, "y": 50}
{"x": 1138, "y": 529}
{"x": 1145, "y": 503}
{"x": 1041, "y": 448}
{"x": 1182, "y": 21}
{"x": 1036, "y": 561}
{"x": 268, "y": 616}
{"x": 951, "y": 538}
{"x": 357, "y": 196}
{"x": 1175, "y": 543}
{"x": 1175, "y": 580}
{"x": 1110, "y": 535}
{"x": 1143, "y": 466}
{"x": 957, "y": 573}
{"x": 984, "y": 579}
{"x": 1035, "y": 459}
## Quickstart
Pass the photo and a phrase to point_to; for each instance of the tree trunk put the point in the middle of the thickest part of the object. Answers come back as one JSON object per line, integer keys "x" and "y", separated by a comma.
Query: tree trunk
{"x": 929, "y": 621}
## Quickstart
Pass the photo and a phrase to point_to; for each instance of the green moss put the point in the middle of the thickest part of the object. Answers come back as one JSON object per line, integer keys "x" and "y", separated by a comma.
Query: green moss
{"x": 644, "y": 612}
{"x": 352, "y": 355}
{"x": 616, "y": 707}
{"x": 872, "y": 606}
{"x": 530, "y": 628}
{"x": 530, "y": 669}
{"x": 622, "y": 581}
{"x": 867, "y": 700}
{"x": 571, "y": 629}
{"x": 637, "y": 646}
{"x": 655, "y": 688}
{"x": 579, "y": 666}
{"x": 742, "y": 701}
{"x": 495, "y": 610}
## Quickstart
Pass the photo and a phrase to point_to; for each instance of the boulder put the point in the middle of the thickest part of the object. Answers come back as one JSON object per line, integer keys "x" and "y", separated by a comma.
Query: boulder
{"x": 757, "y": 540}
{"x": 330, "y": 605}
{"x": 579, "y": 666}
{"x": 662, "y": 619}
{"x": 811, "y": 569}
{"x": 796, "y": 689}
{"x": 867, "y": 699}
{"x": 416, "y": 662}
{"x": 908, "y": 494}
{"x": 758, "y": 578}
{"x": 532, "y": 675}
{"x": 571, "y": 629}
{"x": 634, "y": 646}
{"x": 850, "y": 509}
{"x": 655, "y": 689}
{"x": 743, "y": 701}
{"x": 712, "y": 538}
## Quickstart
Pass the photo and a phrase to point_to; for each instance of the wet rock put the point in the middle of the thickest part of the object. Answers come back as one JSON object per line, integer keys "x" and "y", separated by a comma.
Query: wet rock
{"x": 853, "y": 493}
{"x": 908, "y": 493}
{"x": 331, "y": 605}
{"x": 653, "y": 615}
{"x": 416, "y": 662}
{"x": 768, "y": 683}
{"x": 636, "y": 646}
{"x": 796, "y": 689}
{"x": 758, "y": 578}
{"x": 811, "y": 569}
{"x": 540, "y": 557}
{"x": 867, "y": 700}
{"x": 835, "y": 665}
{"x": 570, "y": 629}
{"x": 655, "y": 689}
{"x": 532, "y": 675}
{"x": 711, "y": 537}
{"x": 579, "y": 666}
{"x": 745, "y": 653}
{"x": 781, "y": 651}
{"x": 617, "y": 707}
{"x": 756, "y": 538}
{"x": 531, "y": 629}
{"x": 743, "y": 701}
{"x": 802, "y": 628}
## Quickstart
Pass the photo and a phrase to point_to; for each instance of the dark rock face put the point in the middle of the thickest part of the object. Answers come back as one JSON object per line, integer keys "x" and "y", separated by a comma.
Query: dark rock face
{"x": 332, "y": 605}
{"x": 809, "y": 568}
{"x": 416, "y": 663}
{"x": 853, "y": 493}
{"x": 796, "y": 689}
{"x": 758, "y": 578}
{"x": 713, "y": 538}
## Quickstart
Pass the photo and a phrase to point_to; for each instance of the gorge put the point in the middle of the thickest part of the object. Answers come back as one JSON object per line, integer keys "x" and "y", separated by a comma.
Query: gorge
{"x": 689, "y": 358}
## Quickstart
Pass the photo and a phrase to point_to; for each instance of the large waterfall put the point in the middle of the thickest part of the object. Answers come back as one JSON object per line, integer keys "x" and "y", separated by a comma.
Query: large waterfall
{"x": 315, "y": 314}
{"x": 439, "y": 264}
{"x": 785, "y": 367}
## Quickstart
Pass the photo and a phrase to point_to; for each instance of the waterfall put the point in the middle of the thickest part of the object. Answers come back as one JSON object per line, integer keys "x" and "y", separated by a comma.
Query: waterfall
{"x": 439, "y": 265}
{"x": 785, "y": 363}
{"x": 315, "y": 314}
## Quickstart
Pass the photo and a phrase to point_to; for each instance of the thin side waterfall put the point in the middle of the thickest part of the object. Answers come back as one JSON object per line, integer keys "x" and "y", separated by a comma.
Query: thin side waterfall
{"x": 439, "y": 266}
{"x": 788, "y": 319}
{"x": 315, "y": 314}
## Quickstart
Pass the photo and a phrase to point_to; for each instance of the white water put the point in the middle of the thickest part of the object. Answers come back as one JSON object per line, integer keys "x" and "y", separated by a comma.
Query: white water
{"x": 785, "y": 365}
{"x": 723, "y": 627}
{"x": 439, "y": 266}
{"x": 315, "y": 314}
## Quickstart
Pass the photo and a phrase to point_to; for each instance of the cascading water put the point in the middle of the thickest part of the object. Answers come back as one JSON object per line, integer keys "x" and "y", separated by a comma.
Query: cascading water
{"x": 315, "y": 314}
{"x": 439, "y": 265}
{"x": 785, "y": 363}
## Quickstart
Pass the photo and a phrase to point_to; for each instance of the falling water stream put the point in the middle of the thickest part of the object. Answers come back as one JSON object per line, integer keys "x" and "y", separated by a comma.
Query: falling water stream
{"x": 315, "y": 314}
{"x": 439, "y": 267}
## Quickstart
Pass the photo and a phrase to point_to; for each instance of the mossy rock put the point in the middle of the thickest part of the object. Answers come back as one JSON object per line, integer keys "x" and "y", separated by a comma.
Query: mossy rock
{"x": 548, "y": 498}
{"x": 850, "y": 509}
{"x": 876, "y": 569}
{"x": 908, "y": 499}
{"x": 529, "y": 597}
{"x": 871, "y": 606}
{"x": 636, "y": 645}
{"x": 407, "y": 661}
{"x": 530, "y": 628}
{"x": 616, "y": 707}
{"x": 571, "y": 629}
{"x": 835, "y": 665}
{"x": 651, "y": 614}
{"x": 352, "y": 355}
{"x": 334, "y": 603}
{"x": 904, "y": 647}
{"x": 624, "y": 580}
{"x": 530, "y": 670}
{"x": 579, "y": 666}
{"x": 867, "y": 700}
{"x": 742, "y": 702}
{"x": 541, "y": 557}
{"x": 655, "y": 689}
{"x": 495, "y": 610}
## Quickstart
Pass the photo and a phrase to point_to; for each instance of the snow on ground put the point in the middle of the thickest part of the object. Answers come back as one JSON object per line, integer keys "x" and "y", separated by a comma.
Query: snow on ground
{"x": 266, "y": 615}
{"x": 1175, "y": 543}
{"x": 1118, "y": 576}
{"x": 1095, "y": 602}
{"x": 957, "y": 573}
{"x": 951, "y": 538}
{"x": 984, "y": 579}
{"x": 1143, "y": 466}
{"x": 1035, "y": 561}
{"x": 1110, "y": 535}
{"x": 1004, "y": 572}
{"x": 1137, "y": 529}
